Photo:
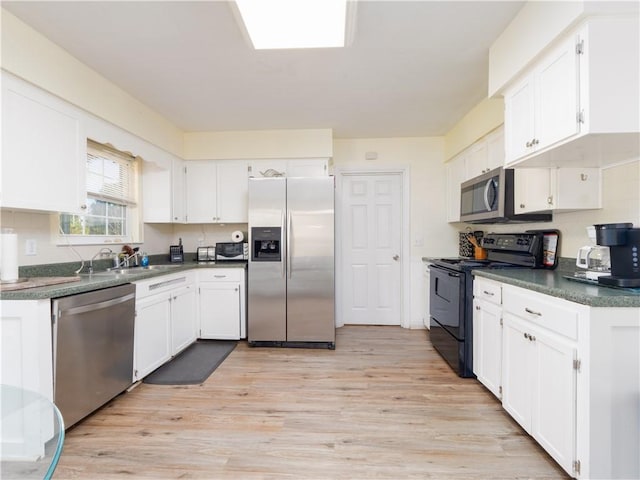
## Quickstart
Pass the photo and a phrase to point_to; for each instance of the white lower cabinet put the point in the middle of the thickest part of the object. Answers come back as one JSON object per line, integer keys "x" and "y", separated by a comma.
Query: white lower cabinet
{"x": 539, "y": 370}
{"x": 487, "y": 334}
{"x": 222, "y": 303}
{"x": 166, "y": 320}
{"x": 569, "y": 374}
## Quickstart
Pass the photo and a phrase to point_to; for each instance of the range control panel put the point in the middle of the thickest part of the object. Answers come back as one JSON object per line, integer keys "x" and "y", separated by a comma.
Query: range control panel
{"x": 512, "y": 242}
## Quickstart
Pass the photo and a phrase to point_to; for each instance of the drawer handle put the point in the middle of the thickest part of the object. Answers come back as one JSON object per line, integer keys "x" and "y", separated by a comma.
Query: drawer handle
{"x": 219, "y": 276}
{"x": 491, "y": 294}
{"x": 532, "y": 312}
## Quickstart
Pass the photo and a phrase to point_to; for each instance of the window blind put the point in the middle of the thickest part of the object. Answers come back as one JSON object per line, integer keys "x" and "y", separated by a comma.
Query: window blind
{"x": 111, "y": 175}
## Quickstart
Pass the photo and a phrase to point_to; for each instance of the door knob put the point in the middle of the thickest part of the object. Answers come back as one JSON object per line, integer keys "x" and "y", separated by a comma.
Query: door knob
{"x": 396, "y": 257}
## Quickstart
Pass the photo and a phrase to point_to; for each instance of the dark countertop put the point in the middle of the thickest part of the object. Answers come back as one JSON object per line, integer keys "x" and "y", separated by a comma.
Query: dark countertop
{"x": 89, "y": 282}
{"x": 552, "y": 282}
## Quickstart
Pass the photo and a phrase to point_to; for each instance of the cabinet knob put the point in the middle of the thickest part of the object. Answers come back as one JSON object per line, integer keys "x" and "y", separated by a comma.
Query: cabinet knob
{"x": 83, "y": 207}
{"x": 536, "y": 141}
{"x": 522, "y": 205}
{"x": 526, "y": 335}
{"x": 477, "y": 307}
{"x": 550, "y": 200}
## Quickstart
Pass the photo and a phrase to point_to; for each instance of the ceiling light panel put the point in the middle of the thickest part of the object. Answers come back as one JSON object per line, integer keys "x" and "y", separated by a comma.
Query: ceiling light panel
{"x": 278, "y": 24}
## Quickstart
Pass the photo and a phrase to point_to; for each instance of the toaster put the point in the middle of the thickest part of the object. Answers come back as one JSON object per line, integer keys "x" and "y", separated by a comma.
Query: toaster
{"x": 206, "y": 254}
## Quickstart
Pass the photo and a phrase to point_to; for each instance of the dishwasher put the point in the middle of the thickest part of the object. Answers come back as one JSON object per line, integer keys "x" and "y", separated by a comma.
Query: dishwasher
{"x": 92, "y": 349}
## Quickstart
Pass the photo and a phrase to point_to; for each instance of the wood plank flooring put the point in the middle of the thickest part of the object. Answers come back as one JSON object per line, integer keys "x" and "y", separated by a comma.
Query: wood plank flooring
{"x": 383, "y": 405}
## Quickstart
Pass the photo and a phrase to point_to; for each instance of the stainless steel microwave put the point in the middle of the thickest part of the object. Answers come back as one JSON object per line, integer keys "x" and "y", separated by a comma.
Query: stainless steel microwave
{"x": 232, "y": 251}
{"x": 489, "y": 198}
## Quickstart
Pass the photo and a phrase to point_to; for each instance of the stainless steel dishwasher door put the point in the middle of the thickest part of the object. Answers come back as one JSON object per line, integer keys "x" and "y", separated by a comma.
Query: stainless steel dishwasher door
{"x": 92, "y": 348}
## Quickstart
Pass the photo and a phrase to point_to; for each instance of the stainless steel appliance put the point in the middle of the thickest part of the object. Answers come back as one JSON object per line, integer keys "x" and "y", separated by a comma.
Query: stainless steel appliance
{"x": 451, "y": 289}
{"x": 206, "y": 254}
{"x": 232, "y": 251}
{"x": 92, "y": 349}
{"x": 624, "y": 245}
{"x": 291, "y": 262}
{"x": 489, "y": 198}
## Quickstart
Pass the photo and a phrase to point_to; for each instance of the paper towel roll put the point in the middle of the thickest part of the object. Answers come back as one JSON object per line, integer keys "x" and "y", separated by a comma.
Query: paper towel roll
{"x": 9, "y": 254}
{"x": 237, "y": 236}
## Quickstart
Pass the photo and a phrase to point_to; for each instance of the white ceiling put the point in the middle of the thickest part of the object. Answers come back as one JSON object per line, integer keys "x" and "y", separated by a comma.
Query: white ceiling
{"x": 414, "y": 68}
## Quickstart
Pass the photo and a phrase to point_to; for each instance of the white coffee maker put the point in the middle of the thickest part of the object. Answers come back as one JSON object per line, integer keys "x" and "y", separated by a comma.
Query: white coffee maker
{"x": 594, "y": 259}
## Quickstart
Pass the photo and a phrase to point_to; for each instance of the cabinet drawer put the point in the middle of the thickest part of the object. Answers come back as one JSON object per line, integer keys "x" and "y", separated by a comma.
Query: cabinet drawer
{"x": 554, "y": 314}
{"x": 487, "y": 290}
{"x": 221, "y": 275}
{"x": 163, "y": 283}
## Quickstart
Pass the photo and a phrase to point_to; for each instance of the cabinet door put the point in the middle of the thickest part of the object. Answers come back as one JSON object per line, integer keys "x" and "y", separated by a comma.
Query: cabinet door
{"x": 495, "y": 149}
{"x": 44, "y": 151}
{"x": 532, "y": 190}
{"x": 519, "y": 120}
{"x": 576, "y": 188}
{"x": 152, "y": 335}
{"x": 556, "y": 96}
{"x": 487, "y": 345}
{"x": 454, "y": 176}
{"x": 554, "y": 401}
{"x": 268, "y": 168}
{"x": 315, "y": 167}
{"x": 426, "y": 277}
{"x": 178, "y": 191}
{"x": 476, "y": 160}
{"x": 220, "y": 310}
{"x": 184, "y": 329}
{"x": 517, "y": 381}
{"x": 201, "y": 197}
{"x": 233, "y": 191}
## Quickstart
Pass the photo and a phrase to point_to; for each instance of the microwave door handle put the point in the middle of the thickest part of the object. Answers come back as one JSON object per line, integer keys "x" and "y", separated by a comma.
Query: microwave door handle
{"x": 490, "y": 185}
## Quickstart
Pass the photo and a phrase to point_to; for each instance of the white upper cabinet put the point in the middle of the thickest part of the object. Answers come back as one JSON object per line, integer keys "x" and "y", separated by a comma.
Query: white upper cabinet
{"x": 303, "y": 167}
{"x": 557, "y": 189}
{"x": 216, "y": 191}
{"x": 163, "y": 192}
{"x": 232, "y": 191}
{"x": 455, "y": 175}
{"x": 579, "y": 104}
{"x": 485, "y": 154}
{"x": 541, "y": 109}
{"x": 43, "y": 151}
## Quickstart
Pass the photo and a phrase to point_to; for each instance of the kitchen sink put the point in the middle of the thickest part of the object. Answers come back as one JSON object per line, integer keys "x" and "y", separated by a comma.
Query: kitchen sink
{"x": 134, "y": 270}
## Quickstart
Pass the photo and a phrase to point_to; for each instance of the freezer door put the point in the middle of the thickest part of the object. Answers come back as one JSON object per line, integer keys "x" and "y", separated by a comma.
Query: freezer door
{"x": 310, "y": 260}
{"x": 266, "y": 290}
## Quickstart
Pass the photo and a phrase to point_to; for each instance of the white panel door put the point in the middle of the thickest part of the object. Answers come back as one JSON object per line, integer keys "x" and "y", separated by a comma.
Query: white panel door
{"x": 372, "y": 239}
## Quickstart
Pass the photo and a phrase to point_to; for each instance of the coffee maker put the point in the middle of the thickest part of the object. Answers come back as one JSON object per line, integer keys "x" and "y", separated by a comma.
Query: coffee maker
{"x": 624, "y": 246}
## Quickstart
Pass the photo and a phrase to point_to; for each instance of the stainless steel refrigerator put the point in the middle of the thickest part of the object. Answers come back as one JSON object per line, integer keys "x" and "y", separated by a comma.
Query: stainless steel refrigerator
{"x": 291, "y": 262}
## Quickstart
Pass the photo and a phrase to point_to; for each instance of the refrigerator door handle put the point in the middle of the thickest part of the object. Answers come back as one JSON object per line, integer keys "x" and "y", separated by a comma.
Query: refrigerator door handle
{"x": 289, "y": 244}
{"x": 282, "y": 246}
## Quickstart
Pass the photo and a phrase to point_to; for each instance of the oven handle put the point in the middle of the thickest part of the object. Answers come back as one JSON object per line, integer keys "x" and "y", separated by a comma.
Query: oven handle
{"x": 444, "y": 270}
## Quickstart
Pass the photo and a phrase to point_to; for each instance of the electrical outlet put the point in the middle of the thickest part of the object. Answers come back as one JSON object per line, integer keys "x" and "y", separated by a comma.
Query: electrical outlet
{"x": 31, "y": 247}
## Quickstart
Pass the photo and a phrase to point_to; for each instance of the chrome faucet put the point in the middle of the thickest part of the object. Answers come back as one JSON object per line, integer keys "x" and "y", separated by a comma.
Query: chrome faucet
{"x": 101, "y": 252}
{"x": 124, "y": 262}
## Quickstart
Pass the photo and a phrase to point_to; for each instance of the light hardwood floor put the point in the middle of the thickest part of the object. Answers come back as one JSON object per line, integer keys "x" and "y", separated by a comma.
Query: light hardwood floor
{"x": 382, "y": 405}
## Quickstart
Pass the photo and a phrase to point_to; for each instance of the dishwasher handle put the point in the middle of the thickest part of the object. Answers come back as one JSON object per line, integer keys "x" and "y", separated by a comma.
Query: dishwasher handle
{"x": 96, "y": 306}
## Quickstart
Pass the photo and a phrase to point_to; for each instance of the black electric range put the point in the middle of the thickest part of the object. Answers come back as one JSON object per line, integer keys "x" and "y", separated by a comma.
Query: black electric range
{"x": 451, "y": 291}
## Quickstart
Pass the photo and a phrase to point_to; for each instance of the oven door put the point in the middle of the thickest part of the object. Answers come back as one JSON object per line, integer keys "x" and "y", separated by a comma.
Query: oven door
{"x": 447, "y": 300}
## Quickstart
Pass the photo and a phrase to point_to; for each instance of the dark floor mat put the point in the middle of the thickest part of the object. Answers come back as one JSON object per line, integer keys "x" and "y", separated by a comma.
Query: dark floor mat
{"x": 193, "y": 365}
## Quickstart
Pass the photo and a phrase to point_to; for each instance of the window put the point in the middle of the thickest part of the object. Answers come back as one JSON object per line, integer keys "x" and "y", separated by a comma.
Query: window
{"x": 112, "y": 192}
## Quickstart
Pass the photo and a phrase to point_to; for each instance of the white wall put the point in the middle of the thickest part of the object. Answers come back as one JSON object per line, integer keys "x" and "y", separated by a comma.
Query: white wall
{"x": 430, "y": 234}
{"x": 294, "y": 143}
{"x": 29, "y": 55}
